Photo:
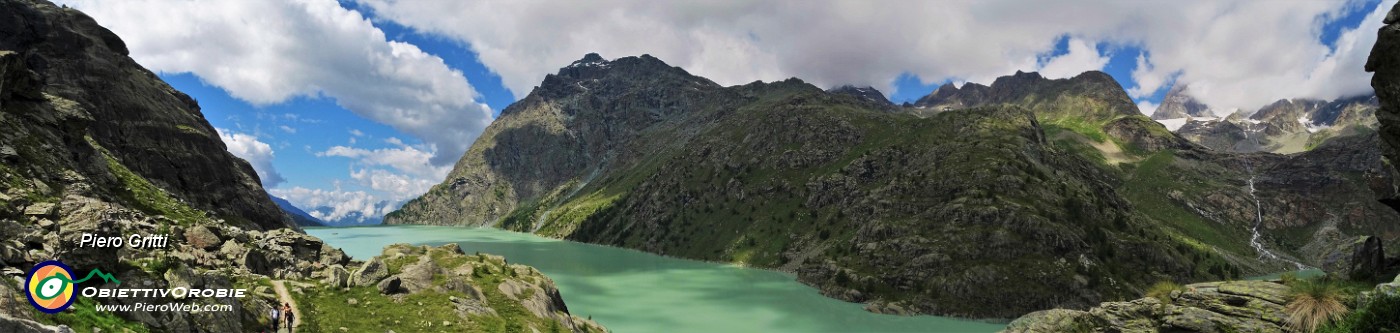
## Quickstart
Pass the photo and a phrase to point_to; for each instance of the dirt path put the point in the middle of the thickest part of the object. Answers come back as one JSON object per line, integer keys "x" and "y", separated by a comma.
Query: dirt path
{"x": 287, "y": 299}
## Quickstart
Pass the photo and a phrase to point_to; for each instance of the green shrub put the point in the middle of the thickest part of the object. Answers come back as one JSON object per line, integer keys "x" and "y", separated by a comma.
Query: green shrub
{"x": 1381, "y": 315}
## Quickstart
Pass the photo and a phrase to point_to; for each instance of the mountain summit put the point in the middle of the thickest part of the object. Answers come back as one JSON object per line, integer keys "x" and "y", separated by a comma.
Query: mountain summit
{"x": 1180, "y": 104}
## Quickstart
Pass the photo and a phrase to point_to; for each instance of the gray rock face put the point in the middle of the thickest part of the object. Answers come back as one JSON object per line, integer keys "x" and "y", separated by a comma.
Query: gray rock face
{"x": 1368, "y": 261}
{"x": 369, "y": 273}
{"x": 1385, "y": 63}
{"x": 75, "y": 80}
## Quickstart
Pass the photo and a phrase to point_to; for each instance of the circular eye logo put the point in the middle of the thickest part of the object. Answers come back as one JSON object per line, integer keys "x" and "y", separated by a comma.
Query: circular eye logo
{"x": 50, "y": 287}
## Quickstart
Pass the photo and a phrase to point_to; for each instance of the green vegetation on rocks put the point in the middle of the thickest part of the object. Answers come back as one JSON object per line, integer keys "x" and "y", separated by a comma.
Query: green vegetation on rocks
{"x": 441, "y": 289}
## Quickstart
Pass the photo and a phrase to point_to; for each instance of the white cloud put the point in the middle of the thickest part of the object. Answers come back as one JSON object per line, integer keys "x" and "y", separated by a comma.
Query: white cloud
{"x": 406, "y": 159}
{"x": 288, "y": 129}
{"x": 402, "y": 172}
{"x": 1081, "y": 57}
{"x": 1242, "y": 53}
{"x": 339, "y": 204}
{"x": 1146, "y": 107}
{"x": 268, "y": 51}
{"x": 1148, "y": 79}
{"x": 258, "y": 154}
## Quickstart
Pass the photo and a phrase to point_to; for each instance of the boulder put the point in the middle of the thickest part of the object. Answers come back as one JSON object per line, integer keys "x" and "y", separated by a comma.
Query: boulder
{"x": 369, "y": 273}
{"x": 419, "y": 276}
{"x": 391, "y": 285}
{"x": 179, "y": 277}
{"x": 1368, "y": 260}
{"x": 202, "y": 237}
{"x": 337, "y": 276}
{"x": 232, "y": 250}
{"x": 42, "y": 209}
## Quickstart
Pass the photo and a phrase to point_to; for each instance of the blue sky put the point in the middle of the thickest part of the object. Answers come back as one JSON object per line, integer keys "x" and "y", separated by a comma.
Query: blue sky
{"x": 368, "y": 102}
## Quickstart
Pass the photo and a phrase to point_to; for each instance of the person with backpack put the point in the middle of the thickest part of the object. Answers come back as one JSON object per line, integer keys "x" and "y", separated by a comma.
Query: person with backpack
{"x": 275, "y": 318}
{"x": 287, "y": 313}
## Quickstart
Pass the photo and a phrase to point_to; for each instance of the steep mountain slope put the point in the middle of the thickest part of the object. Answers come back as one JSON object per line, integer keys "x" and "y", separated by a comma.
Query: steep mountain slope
{"x": 1262, "y": 212}
{"x": 296, "y": 214}
{"x": 1178, "y": 103}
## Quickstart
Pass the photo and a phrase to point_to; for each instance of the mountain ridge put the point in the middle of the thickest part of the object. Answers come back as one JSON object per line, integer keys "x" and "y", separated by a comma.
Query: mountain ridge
{"x": 785, "y": 175}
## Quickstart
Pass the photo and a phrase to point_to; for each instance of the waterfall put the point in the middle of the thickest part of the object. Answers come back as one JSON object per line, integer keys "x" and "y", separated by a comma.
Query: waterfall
{"x": 1258, "y": 221}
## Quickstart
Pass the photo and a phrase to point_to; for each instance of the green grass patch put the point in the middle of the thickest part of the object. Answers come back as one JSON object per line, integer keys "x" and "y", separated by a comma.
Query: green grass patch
{"x": 146, "y": 196}
{"x": 84, "y": 317}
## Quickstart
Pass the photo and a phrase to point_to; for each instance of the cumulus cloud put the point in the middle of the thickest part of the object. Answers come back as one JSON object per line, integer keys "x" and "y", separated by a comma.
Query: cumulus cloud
{"x": 1241, "y": 53}
{"x": 259, "y": 154}
{"x": 337, "y": 204}
{"x": 1081, "y": 56}
{"x": 403, "y": 171}
{"x": 268, "y": 51}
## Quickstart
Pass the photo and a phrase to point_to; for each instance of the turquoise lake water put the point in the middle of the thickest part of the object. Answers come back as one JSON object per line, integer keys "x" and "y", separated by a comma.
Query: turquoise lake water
{"x": 633, "y": 291}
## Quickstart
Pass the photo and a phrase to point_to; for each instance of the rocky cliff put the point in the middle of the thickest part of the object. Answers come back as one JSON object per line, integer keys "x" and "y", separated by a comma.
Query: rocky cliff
{"x": 1385, "y": 63}
{"x": 71, "y": 88}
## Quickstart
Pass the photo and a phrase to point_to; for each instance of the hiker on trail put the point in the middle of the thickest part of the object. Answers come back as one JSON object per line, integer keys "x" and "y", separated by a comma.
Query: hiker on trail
{"x": 275, "y": 319}
{"x": 287, "y": 313}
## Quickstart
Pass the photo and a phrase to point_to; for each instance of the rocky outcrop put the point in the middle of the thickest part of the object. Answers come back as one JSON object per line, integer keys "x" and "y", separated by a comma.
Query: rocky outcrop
{"x": 1234, "y": 306}
{"x": 1385, "y": 63}
{"x": 475, "y": 286}
{"x": 70, "y": 86}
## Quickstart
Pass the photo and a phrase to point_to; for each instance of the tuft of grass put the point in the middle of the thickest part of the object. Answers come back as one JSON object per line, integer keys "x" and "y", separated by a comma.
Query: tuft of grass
{"x": 1163, "y": 290}
{"x": 1315, "y": 303}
